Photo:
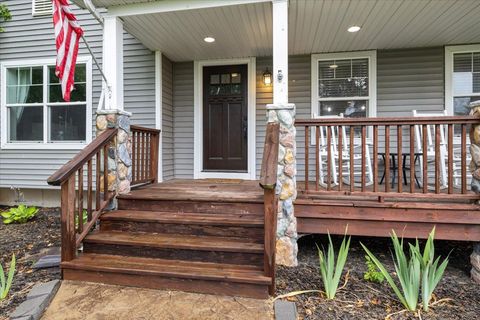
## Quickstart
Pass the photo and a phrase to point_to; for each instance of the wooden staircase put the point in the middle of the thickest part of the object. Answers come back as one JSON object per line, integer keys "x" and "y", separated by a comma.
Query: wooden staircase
{"x": 204, "y": 236}
{"x": 181, "y": 243}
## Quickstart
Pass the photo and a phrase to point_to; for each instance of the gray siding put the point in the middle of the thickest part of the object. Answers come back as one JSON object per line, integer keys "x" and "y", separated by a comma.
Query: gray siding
{"x": 183, "y": 119}
{"x": 167, "y": 119}
{"x": 28, "y": 37}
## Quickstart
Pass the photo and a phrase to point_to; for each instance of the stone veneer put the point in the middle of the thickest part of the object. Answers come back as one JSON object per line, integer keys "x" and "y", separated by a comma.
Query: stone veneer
{"x": 475, "y": 170}
{"x": 286, "y": 246}
{"x": 119, "y": 150}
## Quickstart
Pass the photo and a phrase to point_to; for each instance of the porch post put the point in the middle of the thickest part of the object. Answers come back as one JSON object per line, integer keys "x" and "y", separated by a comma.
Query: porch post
{"x": 475, "y": 171}
{"x": 112, "y": 115}
{"x": 284, "y": 113}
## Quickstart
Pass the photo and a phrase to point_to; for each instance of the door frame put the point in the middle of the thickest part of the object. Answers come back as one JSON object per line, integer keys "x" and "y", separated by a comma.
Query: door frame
{"x": 198, "y": 119}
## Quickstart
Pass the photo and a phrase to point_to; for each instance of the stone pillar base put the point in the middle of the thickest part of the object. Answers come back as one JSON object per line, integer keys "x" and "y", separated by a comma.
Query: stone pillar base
{"x": 286, "y": 245}
{"x": 119, "y": 151}
{"x": 475, "y": 261}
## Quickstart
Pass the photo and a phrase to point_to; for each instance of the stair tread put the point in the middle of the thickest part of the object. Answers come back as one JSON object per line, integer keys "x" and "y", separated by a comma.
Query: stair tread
{"x": 174, "y": 241}
{"x": 242, "y": 220}
{"x": 167, "y": 268}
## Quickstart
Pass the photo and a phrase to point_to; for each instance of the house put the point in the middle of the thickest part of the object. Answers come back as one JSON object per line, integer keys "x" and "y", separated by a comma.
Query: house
{"x": 207, "y": 74}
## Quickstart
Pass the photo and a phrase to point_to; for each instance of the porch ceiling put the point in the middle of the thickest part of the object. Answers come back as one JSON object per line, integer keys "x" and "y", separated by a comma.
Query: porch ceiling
{"x": 314, "y": 26}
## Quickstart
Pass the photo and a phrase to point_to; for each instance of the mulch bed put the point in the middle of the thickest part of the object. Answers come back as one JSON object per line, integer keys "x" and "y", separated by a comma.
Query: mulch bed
{"x": 360, "y": 299}
{"x": 29, "y": 242}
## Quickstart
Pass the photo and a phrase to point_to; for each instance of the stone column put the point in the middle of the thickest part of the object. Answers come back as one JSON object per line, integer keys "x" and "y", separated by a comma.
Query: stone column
{"x": 475, "y": 170}
{"x": 119, "y": 151}
{"x": 286, "y": 246}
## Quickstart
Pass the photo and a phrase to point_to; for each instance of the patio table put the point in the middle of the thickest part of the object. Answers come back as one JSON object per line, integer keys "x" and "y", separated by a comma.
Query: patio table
{"x": 394, "y": 166}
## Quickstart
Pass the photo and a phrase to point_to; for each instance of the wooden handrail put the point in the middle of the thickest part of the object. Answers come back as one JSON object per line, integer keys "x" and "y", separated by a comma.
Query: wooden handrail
{"x": 268, "y": 180}
{"x": 429, "y": 152}
{"x": 145, "y": 129}
{"x": 62, "y": 174}
{"x": 145, "y": 153}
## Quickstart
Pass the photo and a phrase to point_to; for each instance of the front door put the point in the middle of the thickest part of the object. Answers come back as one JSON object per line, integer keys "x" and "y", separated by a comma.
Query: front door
{"x": 225, "y": 118}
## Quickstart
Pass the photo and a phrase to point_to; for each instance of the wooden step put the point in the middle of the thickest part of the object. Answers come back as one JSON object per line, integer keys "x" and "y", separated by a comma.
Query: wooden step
{"x": 201, "y": 224}
{"x": 168, "y": 274}
{"x": 178, "y": 247}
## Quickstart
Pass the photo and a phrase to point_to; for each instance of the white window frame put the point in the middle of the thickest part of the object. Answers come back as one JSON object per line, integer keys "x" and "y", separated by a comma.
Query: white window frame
{"x": 449, "y": 52}
{"x": 371, "y": 55}
{"x": 45, "y": 144}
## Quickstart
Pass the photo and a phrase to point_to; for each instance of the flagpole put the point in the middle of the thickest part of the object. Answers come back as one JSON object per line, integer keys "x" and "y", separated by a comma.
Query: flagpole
{"x": 96, "y": 63}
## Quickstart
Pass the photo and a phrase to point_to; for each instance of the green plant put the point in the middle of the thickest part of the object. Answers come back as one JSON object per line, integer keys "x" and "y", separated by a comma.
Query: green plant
{"x": 419, "y": 270}
{"x": 329, "y": 270}
{"x": 5, "y": 284}
{"x": 84, "y": 218}
{"x": 5, "y": 15}
{"x": 20, "y": 214}
{"x": 372, "y": 274}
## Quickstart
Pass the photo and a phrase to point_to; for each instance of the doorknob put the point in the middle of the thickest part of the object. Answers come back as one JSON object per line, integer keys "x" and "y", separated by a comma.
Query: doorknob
{"x": 245, "y": 127}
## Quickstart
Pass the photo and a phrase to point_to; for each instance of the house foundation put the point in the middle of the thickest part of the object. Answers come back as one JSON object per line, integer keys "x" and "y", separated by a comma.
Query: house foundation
{"x": 475, "y": 171}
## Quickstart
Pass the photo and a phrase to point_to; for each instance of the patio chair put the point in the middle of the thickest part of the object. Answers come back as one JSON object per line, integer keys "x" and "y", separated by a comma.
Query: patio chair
{"x": 345, "y": 161}
{"x": 430, "y": 150}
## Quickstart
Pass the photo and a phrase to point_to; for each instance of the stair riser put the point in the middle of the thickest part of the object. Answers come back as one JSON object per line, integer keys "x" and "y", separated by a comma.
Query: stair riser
{"x": 155, "y": 282}
{"x": 191, "y": 206}
{"x": 240, "y": 258}
{"x": 251, "y": 233}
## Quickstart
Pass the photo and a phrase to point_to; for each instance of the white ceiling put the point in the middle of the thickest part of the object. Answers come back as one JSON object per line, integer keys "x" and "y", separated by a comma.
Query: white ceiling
{"x": 314, "y": 26}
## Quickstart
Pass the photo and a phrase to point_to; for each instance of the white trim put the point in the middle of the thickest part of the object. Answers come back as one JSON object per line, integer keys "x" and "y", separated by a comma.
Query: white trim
{"x": 280, "y": 51}
{"x": 449, "y": 52}
{"x": 198, "y": 120}
{"x": 45, "y": 145}
{"x": 371, "y": 55}
{"x": 172, "y": 5}
{"x": 159, "y": 110}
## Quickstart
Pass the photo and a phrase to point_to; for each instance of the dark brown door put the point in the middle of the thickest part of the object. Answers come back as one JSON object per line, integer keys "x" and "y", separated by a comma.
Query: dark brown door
{"x": 225, "y": 118}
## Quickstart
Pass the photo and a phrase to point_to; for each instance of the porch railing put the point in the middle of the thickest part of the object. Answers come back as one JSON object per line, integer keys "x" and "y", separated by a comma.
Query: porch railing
{"x": 268, "y": 181}
{"x": 84, "y": 181}
{"x": 145, "y": 143}
{"x": 413, "y": 157}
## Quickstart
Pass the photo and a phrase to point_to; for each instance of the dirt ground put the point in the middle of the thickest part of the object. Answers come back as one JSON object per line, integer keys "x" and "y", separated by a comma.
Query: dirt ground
{"x": 28, "y": 242}
{"x": 360, "y": 299}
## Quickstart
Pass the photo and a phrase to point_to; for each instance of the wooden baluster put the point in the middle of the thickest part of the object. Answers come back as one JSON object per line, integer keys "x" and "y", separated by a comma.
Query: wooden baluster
{"x": 400, "y": 158}
{"x": 80, "y": 200}
{"x": 306, "y": 157}
{"x": 424, "y": 155}
{"x": 387, "y": 159}
{"x": 155, "y": 156}
{"x": 139, "y": 159}
{"x": 412, "y": 159}
{"x": 464, "y": 158}
{"x": 317, "y": 157}
{"x": 134, "y": 158}
{"x": 340, "y": 158}
{"x": 105, "y": 172}
{"x": 375, "y": 158}
{"x": 364, "y": 162}
{"x": 450, "y": 158}
{"x": 329, "y": 158}
{"x": 352, "y": 160}
{"x": 89, "y": 189}
{"x": 437, "y": 158}
{"x": 97, "y": 181}
{"x": 67, "y": 220}
{"x": 143, "y": 153}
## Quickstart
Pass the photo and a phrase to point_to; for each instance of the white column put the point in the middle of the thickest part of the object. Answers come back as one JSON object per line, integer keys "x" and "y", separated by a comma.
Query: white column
{"x": 113, "y": 62}
{"x": 280, "y": 52}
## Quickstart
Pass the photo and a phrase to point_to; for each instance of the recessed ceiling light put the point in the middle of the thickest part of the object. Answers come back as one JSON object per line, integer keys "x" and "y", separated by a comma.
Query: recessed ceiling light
{"x": 209, "y": 39}
{"x": 353, "y": 29}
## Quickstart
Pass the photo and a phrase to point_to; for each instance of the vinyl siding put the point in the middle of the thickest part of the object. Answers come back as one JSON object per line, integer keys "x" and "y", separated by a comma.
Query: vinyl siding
{"x": 28, "y": 37}
{"x": 167, "y": 119}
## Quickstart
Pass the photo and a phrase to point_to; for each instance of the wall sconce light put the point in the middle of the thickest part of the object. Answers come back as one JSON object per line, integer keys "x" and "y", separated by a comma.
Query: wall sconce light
{"x": 267, "y": 78}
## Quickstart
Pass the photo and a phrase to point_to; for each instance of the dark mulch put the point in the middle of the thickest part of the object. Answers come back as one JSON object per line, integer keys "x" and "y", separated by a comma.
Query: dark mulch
{"x": 28, "y": 241}
{"x": 366, "y": 300}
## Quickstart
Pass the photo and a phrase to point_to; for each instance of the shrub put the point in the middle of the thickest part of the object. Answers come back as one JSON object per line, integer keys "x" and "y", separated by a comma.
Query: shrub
{"x": 84, "y": 218}
{"x": 21, "y": 214}
{"x": 330, "y": 271}
{"x": 419, "y": 270}
{"x": 5, "y": 15}
{"x": 5, "y": 284}
{"x": 372, "y": 274}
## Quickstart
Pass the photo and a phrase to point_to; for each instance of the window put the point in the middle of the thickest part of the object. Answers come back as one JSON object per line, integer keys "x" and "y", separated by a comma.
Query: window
{"x": 344, "y": 83}
{"x": 42, "y": 7}
{"x": 462, "y": 78}
{"x": 33, "y": 112}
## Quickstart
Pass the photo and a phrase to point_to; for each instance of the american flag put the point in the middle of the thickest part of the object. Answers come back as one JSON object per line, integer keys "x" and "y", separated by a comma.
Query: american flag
{"x": 67, "y": 37}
